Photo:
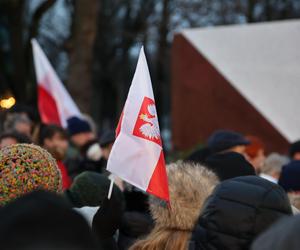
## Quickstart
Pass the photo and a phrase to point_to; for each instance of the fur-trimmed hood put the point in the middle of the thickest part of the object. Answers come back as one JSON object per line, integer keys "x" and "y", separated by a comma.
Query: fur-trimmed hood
{"x": 189, "y": 186}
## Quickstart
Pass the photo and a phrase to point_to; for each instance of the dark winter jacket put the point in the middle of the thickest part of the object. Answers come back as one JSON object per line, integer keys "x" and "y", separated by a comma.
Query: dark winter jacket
{"x": 238, "y": 210}
{"x": 284, "y": 235}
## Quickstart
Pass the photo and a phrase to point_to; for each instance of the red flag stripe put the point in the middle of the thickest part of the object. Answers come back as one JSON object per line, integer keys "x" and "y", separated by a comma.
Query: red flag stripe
{"x": 158, "y": 184}
{"x": 118, "y": 129}
{"x": 47, "y": 107}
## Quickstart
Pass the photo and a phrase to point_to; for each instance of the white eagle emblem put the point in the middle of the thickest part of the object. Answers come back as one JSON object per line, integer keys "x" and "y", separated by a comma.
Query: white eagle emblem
{"x": 151, "y": 128}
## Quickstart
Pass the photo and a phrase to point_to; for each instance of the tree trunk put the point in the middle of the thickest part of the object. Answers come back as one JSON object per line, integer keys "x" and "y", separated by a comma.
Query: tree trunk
{"x": 17, "y": 50}
{"x": 82, "y": 42}
{"x": 161, "y": 83}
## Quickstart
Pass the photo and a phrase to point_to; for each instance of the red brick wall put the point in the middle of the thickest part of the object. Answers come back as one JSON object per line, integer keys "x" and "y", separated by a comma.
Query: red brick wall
{"x": 203, "y": 101}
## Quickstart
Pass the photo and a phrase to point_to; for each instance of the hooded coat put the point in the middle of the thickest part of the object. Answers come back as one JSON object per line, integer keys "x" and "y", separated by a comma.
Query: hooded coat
{"x": 189, "y": 186}
{"x": 238, "y": 210}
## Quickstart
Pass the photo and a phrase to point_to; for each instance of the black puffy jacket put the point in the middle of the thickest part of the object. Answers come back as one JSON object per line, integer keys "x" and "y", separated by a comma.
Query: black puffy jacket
{"x": 238, "y": 210}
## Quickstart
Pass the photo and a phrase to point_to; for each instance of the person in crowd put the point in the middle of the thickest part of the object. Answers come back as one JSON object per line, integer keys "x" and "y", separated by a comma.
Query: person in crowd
{"x": 106, "y": 141}
{"x": 295, "y": 201}
{"x": 43, "y": 220}
{"x": 229, "y": 165}
{"x": 134, "y": 225}
{"x": 55, "y": 140}
{"x": 199, "y": 155}
{"x": 25, "y": 168}
{"x": 90, "y": 157}
{"x": 220, "y": 142}
{"x": 19, "y": 122}
{"x": 239, "y": 210}
{"x": 223, "y": 141}
{"x": 294, "y": 151}
{"x": 284, "y": 235}
{"x": 88, "y": 195}
{"x": 80, "y": 132}
{"x": 90, "y": 189}
{"x": 255, "y": 152}
{"x": 290, "y": 176}
{"x": 107, "y": 221}
{"x": 189, "y": 186}
{"x": 271, "y": 168}
{"x": 11, "y": 138}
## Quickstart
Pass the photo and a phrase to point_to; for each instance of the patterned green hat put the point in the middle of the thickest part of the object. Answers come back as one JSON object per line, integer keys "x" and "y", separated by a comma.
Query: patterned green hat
{"x": 25, "y": 168}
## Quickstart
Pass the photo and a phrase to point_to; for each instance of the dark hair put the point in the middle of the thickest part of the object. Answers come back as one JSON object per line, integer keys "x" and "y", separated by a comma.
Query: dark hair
{"x": 48, "y": 131}
{"x": 19, "y": 137}
{"x": 294, "y": 148}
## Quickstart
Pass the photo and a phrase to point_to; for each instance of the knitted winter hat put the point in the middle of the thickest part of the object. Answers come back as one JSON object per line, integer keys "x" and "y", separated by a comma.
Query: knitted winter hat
{"x": 189, "y": 186}
{"x": 25, "y": 168}
{"x": 90, "y": 189}
{"x": 77, "y": 126}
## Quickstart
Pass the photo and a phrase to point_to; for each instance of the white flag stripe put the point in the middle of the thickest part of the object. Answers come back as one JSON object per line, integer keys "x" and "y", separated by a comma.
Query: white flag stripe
{"x": 134, "y": 151}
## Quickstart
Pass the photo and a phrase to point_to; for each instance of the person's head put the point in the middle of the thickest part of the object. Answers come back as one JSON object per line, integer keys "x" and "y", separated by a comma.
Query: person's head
{"x": 80, "y": 131}
{"x": 295, "y": 200}
{"x": 227, "y": 141}
{"x": 18, "y": 122}
{"x": 229, "y": 165}
{"x": 90, "y": 189}
{"x": 11, "y": 138}
{"x": 239, "y": 210}
{"x": 294, "y": 151}
{"x": 55, "y": 139}
{"x": 42, "y": 220}
{"x": 25, "y": 168}
{"x": 189, "y": 186}
{"x": 255, "y": 152}
{"x": 290, "y": 177}
{"x": 273, "y": 164}
{"x": 106, "y": 142}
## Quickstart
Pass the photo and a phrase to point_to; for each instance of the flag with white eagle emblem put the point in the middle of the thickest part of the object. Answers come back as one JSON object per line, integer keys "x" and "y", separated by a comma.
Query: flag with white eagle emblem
{"x": 137, "y": 155}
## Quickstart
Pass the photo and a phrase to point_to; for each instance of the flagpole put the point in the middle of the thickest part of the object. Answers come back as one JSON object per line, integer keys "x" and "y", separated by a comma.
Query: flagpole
{"x": 110, "y": 187}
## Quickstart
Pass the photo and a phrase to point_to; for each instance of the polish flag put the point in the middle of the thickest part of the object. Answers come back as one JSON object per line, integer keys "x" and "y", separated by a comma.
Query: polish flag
{"x": 54, "y": 102}
{"x": 137, "y": 155}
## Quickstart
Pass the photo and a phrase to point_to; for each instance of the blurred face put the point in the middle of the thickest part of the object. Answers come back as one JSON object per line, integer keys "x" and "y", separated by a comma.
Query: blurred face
{"x": 23, "y": 128}
{"x": 106, "y": 151}
{"x": 7, "y": 142}
{"x": 257, "y": 161}
{"x": 239, "y": 149}
{"x": 82, "y": 138}
{"x": 57, "y": 146}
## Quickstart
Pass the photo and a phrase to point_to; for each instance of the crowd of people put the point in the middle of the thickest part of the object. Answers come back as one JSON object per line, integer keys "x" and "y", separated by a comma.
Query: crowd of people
{"x": 229, "y": 194}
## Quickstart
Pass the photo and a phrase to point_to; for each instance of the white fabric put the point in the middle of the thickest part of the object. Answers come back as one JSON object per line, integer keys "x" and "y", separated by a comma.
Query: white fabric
{"x": 47, "y": 78}
{"x": 88, "y": 213}
{"x": 269, "y": 178}
{"x": 262, "y": 62}
{"x": 134, "y": 159}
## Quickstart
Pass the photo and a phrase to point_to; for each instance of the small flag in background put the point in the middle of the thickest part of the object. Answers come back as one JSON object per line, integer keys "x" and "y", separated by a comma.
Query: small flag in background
{"x": 54, "y": 102}
{"x": 137, "y": 155}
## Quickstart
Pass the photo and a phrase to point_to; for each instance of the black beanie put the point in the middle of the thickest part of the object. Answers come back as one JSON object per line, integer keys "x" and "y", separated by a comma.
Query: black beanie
{"x": 229, "y": 165}
{"x": 42, "y": 220}
{"x": 77, "y": 126}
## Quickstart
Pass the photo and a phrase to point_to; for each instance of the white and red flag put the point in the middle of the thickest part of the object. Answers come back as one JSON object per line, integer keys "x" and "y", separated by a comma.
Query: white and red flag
{"x": 54, "y": 102}
{"x": 137, "y": 155}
